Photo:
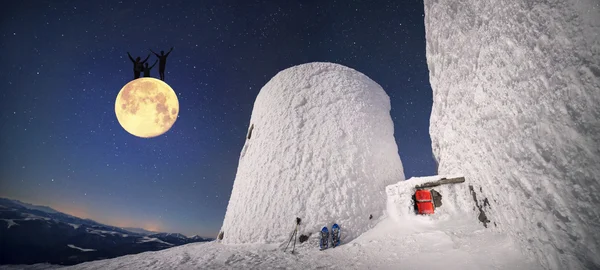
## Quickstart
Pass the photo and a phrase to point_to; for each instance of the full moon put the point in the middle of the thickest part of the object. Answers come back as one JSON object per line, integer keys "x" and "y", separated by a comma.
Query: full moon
{"x": 147, "y": 107}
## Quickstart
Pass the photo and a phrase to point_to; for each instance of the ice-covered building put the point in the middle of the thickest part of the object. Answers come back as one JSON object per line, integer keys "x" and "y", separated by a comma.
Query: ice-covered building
{"x": 320, "y": 146}
{"x": 516, "y": 110}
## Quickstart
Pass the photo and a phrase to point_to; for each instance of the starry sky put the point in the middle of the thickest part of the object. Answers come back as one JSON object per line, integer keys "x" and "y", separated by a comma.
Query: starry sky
{"x": 64, "y": 62}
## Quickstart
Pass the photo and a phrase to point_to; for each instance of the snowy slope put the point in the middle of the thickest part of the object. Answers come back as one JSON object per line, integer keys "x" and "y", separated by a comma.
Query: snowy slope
{"x": 321, "y": 147}
{"x": 81, "y": 249}
{"x": 516, "y": 110}
{"x": 405, "y": 241}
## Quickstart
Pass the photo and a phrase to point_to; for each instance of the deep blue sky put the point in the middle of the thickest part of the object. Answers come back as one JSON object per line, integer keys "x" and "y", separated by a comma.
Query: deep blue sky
{"x": 64, "y": 62}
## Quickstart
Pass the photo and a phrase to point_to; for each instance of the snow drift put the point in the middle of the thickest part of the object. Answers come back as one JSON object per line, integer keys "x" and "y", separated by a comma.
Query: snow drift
{"x": 516, "y": 110}
{"x": 320, "y": 146}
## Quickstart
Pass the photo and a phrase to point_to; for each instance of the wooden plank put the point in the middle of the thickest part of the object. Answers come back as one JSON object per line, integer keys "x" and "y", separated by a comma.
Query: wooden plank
{"x": 442, "y": 181}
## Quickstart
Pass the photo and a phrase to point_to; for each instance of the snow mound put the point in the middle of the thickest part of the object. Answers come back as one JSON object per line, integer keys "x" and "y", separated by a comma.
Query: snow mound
{"x": 516, "y": 110}
{"x": 321, "y": 147}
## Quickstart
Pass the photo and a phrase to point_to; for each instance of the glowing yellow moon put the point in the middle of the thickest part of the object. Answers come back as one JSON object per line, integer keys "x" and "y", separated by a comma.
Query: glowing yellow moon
{"x": 147, "y": 107}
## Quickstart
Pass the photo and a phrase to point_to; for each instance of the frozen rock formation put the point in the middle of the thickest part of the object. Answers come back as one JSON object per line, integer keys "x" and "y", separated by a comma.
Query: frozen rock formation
{"x": 320, "y": 146}
{"x": 516, "y": 88}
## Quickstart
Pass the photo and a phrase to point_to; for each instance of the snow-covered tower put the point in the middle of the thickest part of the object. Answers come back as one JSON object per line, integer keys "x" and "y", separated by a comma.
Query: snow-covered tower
{"x": 320, "y": 146}
{"x": 516, "y": 110}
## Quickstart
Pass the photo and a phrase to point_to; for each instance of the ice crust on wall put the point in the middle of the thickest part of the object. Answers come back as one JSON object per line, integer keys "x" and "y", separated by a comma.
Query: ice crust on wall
{"x": 321, "y": 147}
{"x": 516, "y": 110}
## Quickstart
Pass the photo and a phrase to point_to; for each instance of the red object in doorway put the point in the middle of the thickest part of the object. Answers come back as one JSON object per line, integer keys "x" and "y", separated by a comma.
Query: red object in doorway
{"x": 424, "y": 202}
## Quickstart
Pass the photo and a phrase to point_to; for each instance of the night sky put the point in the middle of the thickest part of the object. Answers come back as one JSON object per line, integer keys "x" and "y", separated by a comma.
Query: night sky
{"x": 64, "y": 62}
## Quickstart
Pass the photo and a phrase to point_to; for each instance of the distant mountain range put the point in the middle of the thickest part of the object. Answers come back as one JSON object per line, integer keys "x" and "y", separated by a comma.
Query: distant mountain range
{"x": 32, "y": 234}
{"x": 139, "y": 230}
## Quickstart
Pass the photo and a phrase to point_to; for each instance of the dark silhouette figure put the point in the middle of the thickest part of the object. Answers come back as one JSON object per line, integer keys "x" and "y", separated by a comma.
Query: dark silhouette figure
{"x": 147, "y": 69}
{"x": 162, "y": 57}
{"x": 138, "y": 65}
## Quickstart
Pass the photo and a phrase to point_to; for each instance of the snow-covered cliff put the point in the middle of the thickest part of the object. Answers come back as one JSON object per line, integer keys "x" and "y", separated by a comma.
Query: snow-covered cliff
{"x": 516, "y": 88}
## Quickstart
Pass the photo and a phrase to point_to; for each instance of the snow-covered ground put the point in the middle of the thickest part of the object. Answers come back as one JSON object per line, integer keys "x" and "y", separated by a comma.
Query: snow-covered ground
{"x": 10, "y": 222}
{"x": 440, "y": 245}
{"x": 103, "y": 232}
{"x": 13, "y": 221}
{"x": 81, "y": 249}
{"x": 151, "y": 239}
{"x": 401, "y": 241}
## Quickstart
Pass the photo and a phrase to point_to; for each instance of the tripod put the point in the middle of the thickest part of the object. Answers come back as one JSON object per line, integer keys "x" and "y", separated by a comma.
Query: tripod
{"x": 294, "y": 236}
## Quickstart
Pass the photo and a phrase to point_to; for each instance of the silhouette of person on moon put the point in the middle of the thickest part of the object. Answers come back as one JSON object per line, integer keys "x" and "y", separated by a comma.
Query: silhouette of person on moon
{"x": 138, "y": 65}
{"x": 147, "y": 69}
{"x": 162, "y": 57}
